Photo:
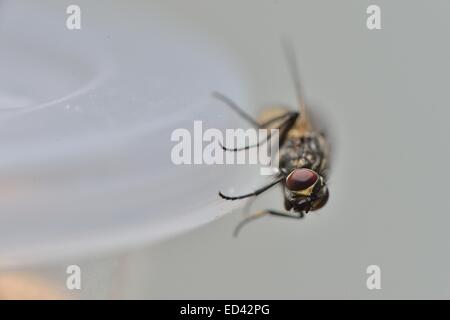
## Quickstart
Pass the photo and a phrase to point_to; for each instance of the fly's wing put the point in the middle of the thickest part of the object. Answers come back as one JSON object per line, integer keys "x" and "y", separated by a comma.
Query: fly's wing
{"x": 270, "y": 114}
{"x": 303, "y": 124}
{"x": 306, "y": 122}
{"x": 325, "y": 147}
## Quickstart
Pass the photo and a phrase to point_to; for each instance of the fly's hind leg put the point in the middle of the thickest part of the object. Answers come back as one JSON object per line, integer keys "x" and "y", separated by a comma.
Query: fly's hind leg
{"x": 275, "y": 118}
{"x": 288, "y": 120}
{"x": 268, "y": 118}
{"x": 233, "y": 105}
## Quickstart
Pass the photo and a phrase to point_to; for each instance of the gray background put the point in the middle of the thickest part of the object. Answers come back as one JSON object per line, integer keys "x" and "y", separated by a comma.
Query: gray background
{"x": 385, "y": 95}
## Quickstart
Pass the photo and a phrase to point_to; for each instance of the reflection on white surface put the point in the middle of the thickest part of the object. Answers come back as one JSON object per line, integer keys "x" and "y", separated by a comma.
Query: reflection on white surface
{"x": 86, "y": 162}
{"x": 10, "y": 101}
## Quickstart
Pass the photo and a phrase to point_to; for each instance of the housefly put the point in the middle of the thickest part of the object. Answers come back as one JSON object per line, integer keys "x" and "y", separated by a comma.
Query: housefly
{"x": 303, "y": 155}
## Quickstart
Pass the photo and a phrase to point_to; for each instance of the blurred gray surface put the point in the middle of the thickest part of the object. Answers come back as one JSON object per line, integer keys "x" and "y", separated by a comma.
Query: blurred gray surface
{"x": 385, "y": 94}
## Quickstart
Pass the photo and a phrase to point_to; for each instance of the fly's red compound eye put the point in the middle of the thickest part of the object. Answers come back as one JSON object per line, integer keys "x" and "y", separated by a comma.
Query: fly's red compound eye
{"x": 301, "y": 179}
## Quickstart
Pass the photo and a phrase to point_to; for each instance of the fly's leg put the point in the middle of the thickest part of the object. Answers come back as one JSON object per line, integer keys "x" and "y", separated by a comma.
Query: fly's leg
{"x": 277, "y": 118}
{"x": 285, "y": 128}
{"x": 236, "y": 108}
{"x": 287, "y": 124}
{"x": 259, "y": 214}
{"x": 255, "y": 193}
{"x": 233, "y": 105}
{"x": 296, "y": 215}
{"x": 290, "y": 117}
{"x": 246, "y": 221}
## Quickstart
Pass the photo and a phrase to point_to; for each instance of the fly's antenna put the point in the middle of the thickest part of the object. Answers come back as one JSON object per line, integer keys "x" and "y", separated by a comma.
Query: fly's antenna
{"x": 293, "y": 69}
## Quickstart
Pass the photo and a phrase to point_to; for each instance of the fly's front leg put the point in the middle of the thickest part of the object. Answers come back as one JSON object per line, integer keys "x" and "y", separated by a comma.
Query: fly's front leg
{"x": 295, "y": 215}
{"x": 259, "y": 214}
{"x": 255, "y": 193}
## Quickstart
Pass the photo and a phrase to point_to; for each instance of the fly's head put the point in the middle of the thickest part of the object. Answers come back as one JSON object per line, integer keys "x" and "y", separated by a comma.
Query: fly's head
{"x": 305, "y": 190}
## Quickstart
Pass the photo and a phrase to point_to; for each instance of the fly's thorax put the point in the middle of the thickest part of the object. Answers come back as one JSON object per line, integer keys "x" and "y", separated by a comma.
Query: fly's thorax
{"x": 305, "y": 151}
{"x": 302, "y": 127}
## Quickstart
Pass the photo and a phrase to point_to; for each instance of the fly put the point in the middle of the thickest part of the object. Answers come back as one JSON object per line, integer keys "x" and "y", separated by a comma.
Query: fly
{"x": 303, "y": 155}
